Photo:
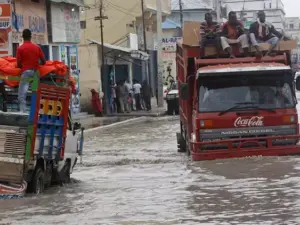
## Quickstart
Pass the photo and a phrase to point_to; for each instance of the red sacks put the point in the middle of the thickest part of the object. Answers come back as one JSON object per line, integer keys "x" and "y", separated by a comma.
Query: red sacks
{"x": 8, "y": 67}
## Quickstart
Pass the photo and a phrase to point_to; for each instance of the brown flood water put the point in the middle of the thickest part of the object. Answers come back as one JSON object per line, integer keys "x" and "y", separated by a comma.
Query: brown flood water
{"x": 134, "y": 175}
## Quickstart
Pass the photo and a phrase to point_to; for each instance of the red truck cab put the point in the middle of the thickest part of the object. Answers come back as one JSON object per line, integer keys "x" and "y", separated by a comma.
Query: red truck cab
{"x": 238, "y": 107}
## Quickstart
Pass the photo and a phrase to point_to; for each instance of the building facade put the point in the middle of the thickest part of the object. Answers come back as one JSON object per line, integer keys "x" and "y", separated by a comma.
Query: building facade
{"x": 292, "y": 29}
{"x": 192, "y": 11}
{"x": 247, "y": 11}
{"x": 124, "y": 44}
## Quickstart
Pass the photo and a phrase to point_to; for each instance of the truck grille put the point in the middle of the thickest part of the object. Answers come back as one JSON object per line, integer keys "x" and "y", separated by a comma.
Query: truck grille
{"x": 250, "y": 132}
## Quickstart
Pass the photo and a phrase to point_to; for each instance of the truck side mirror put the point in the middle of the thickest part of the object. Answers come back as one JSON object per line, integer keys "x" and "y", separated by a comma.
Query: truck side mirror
{"x": 298, "y": 83}
{"x": 184, "y": 91}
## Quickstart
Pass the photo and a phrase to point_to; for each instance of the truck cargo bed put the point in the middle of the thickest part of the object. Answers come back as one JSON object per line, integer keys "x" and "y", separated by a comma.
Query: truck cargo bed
{"x": 12, "y": 153}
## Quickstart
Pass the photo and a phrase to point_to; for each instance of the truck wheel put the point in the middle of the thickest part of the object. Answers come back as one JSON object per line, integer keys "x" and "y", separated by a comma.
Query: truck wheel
{"x": 180, "y": 143}
{"x": 67, "y": 175}
{"x": 169, "y": 109}
{"x": 38, "y": 182}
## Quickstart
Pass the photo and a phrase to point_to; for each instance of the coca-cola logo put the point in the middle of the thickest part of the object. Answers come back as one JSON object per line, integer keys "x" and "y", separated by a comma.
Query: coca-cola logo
{"x": 255, "y": 121}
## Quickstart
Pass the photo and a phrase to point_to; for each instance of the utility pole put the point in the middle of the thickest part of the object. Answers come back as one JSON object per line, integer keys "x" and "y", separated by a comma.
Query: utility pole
{"x": 218, "y": 11}
{"x": 102, "y": 77}
{"x": 181, "y": 16}
{"x": 144, "y": 27}
{"x": 145, "y": 42}
{"x": 159, "y": 55}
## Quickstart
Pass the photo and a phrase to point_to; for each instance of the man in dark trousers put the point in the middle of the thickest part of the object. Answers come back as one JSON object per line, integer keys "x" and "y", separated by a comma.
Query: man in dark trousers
{"x": 146, "y": 93}
{"x": 209, "y": 32}
{"x": 233, "y": 33}
{"x": 29, "y": 56}
{"x": 263, "y": 32}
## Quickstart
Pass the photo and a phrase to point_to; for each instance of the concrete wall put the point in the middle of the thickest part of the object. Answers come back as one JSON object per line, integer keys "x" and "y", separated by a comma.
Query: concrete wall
{"x": 89, "y": 64}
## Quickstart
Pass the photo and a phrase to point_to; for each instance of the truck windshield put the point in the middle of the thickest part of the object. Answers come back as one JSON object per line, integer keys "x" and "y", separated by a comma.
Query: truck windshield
{"x": 220, "y": 93}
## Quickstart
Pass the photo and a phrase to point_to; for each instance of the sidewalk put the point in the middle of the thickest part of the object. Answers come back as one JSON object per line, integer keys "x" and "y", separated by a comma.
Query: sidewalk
{"x": 90, "y": 121}
{"x": 155, "y": 111}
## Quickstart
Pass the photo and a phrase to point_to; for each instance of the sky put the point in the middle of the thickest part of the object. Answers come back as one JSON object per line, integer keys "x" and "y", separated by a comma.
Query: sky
{"x": 292, "y": 8}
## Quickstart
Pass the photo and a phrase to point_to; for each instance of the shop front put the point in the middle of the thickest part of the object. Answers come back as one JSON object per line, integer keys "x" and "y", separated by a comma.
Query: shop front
{"x": 64, "y": 39}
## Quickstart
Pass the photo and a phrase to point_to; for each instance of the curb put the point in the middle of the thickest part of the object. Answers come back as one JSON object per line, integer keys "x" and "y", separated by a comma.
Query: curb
{"x": 159, "y": 114}
{"x": 138, "y": 119}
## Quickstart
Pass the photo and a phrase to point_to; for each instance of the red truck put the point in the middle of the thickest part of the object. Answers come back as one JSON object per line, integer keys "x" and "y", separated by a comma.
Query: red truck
{"x": 239, "y": 107}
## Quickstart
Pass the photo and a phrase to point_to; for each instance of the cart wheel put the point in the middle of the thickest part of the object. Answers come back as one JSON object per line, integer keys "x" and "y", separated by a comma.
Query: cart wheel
{"x": 38, "y": 182}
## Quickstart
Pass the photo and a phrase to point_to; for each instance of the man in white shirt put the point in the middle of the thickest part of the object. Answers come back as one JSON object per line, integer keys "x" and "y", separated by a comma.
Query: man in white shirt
{"x": 137, "y": 94}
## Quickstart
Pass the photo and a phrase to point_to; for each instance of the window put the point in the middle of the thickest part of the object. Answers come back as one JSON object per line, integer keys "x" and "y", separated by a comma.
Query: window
{"x": 83, "y": 24}
{"x": 270, "y": 91}
{"x": 291, "y": 26}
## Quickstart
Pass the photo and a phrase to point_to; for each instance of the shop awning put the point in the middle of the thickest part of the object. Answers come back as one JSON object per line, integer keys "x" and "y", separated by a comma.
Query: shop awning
{"x": 79, "y": 3}
{"x": 136, "y": 54}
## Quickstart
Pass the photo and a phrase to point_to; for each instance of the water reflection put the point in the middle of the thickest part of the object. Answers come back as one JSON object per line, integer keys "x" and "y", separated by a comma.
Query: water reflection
{"x": 257, "y": 190}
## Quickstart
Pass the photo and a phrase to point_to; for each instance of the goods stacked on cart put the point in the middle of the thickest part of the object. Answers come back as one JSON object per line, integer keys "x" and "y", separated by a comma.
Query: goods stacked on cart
{"x": 53, "y": 73}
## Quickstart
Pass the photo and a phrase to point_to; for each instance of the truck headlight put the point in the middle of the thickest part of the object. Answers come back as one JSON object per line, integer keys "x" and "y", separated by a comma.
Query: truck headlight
{"x": 193, "y": 137}
{"x": 289, "y": 119}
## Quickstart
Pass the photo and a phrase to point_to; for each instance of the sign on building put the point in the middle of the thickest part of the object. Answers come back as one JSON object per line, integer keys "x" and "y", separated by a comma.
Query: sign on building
{"x": 5, "y": 30}
{"x": 36, "y": 22}
{"x": 65, "y": 21}
{"x": 169, "y": 58}
{"x": 168, "y": 43}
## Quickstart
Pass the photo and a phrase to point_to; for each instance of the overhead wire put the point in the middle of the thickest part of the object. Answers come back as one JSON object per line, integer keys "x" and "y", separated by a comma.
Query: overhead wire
{"x": 123, "y": 18}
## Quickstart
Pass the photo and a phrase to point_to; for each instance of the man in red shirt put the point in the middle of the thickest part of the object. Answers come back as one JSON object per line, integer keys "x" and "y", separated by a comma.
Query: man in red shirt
{"x": 29, "y": 57}
{"x": 233, "y": 33}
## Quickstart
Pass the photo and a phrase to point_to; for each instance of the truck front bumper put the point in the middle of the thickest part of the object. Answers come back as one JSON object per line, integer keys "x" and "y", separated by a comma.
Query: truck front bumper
{"x": 241, "y": 151}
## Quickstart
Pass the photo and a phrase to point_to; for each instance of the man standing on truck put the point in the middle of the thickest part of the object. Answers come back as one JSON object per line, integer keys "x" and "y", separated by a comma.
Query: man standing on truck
{"x": 209, "y": 32}
{"x": 263, "y": 32}
{"x": 233, "y": 33}
{"x": 29, "y": 57}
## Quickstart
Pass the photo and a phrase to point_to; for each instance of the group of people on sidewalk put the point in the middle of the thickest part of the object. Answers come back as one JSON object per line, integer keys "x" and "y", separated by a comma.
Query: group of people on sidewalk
{"x": 127, "y": 97}
{"x": 233, "y": 32}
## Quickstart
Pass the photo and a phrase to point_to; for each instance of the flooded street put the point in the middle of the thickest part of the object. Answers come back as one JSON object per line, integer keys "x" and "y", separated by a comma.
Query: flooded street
{"x": 132, "y": 174}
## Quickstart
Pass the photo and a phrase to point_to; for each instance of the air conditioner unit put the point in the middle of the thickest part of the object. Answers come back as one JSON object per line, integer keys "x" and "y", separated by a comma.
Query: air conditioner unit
{"x": 133, "y": 41}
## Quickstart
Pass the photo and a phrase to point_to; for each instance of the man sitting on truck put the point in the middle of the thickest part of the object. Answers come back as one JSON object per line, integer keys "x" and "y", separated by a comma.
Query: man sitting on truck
{"x": 29, "y": 56}
{"x": 209, "y": 31}
{"x": 233, "y": 33}
{"x": 263, "y": 32}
